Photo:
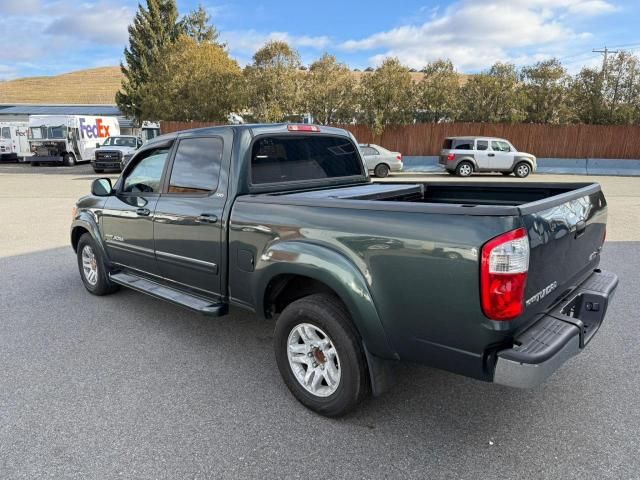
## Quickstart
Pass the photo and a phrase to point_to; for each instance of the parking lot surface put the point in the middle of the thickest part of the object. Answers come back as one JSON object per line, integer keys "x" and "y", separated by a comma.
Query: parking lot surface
{"x": 126, "y": 386}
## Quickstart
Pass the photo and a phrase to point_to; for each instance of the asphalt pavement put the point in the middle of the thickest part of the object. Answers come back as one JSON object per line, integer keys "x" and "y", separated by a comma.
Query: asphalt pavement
{"x": 127, "y": 386}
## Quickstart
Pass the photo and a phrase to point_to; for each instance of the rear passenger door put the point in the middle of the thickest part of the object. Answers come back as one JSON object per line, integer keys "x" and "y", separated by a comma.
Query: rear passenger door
{"x": 482, "y": 154}
{"x": 188, "y": 223}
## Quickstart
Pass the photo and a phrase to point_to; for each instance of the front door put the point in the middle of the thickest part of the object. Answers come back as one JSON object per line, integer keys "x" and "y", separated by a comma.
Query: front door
{"x": 127, "y": 222}
{"x": 188, "y": 222}
{"x": 502, "y": 155}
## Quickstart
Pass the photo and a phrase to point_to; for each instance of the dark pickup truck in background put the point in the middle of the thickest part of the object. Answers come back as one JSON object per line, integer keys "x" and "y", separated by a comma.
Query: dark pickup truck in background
{"x": 495, "y": 281}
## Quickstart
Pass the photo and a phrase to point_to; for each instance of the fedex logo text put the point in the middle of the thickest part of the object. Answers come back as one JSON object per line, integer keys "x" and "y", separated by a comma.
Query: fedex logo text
{"x": 97, "y": 130}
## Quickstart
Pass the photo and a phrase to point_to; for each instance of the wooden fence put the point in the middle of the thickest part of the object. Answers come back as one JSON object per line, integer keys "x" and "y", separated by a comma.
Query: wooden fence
{"x": 544, "y": 141}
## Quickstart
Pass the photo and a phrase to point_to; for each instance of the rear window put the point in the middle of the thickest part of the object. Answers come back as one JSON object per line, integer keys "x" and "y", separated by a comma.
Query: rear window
{"x": 303, "y": 157}
{"x": 462, "y": 144}
{"x": 457, "y": 144}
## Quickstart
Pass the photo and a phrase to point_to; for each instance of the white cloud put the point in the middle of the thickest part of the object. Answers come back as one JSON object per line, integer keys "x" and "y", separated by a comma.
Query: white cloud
{"x": 99, "y": 23}
{"x": 475, "y": 33}
{"x": 248, "y": 41}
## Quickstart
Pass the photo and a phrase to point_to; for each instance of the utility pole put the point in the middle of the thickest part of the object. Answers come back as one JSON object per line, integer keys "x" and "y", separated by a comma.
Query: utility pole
{"x": 606, "y": 53}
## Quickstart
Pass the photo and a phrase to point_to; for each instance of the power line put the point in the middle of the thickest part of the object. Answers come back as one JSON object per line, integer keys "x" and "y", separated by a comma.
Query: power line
{"x": 606, "y": 51}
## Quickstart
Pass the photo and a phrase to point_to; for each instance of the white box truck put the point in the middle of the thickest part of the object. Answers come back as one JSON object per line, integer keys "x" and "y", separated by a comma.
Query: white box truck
{"x": 14, "y": 144}
{"x": 67, "y": 139}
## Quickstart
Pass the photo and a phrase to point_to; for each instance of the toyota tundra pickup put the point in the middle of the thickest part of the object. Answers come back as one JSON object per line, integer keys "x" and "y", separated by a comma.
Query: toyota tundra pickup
{"x": 495, "y": 281}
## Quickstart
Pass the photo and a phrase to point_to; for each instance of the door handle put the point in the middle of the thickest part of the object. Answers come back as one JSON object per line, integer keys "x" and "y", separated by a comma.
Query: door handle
{"x": 207, "y": 218}
{"x": 491, "y": 154}
{"x": 143, "y": 212}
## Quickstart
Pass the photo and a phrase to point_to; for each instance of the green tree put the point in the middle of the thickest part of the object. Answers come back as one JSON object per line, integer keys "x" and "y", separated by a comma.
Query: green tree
{"x": 152, "y": 29}
{"x": 193, "y": 81}
{"x": 437, "y": 92}
{"x": 273, "y": 82}
{"x": 197, "y": 25}
{"x": 328, "y": 90}
{"x": 546, "y": 90}
{"x": 586, "y": 94}
{"x": 386, "y": 96}
{"x": 493, "y": 96}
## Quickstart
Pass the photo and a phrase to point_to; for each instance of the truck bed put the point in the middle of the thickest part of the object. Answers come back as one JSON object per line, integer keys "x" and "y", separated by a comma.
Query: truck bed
{"x": 477, "y": 198}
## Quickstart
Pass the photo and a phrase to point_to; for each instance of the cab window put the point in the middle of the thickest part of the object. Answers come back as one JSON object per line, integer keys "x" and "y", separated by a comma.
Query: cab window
{"x": 146, "y": 175}
{"x": 499, "y": 146}
{"x": 6, "y": 133}
{"x": 196, "y": 167}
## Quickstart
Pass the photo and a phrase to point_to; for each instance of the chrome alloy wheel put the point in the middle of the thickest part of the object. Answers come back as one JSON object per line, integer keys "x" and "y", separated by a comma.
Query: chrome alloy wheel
{"x": 465, "y": 170}
{"x": 523, "y": 170}
{"x": 89, "y": 265}
{"x": 313, "y": 359}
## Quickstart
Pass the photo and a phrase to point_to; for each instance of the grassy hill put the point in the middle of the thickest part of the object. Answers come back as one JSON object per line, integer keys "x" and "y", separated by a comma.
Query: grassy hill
{"x": 92, "y": 86}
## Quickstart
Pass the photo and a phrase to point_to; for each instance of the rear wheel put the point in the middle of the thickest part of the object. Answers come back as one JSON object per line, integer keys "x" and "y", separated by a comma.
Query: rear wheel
{"x": 522, "y": 170}
{"x": 93, "y": 271}
{"x": 98, "y": 170}
{"x": 69, "y": 160}
{"x": 319, "y": 355}
{"x": 464, "y": 169}
{"x": 35, "y": 164}
{"x": 381, "y": 170}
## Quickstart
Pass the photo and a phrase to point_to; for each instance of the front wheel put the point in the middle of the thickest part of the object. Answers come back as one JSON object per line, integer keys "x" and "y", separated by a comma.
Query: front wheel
{"x": 522, "y": 170}
{"x": 92, "y": 267}
{"x": 69, "y": 160}
{"x": 320, "y": 356}
{"x": 381, "y": 170}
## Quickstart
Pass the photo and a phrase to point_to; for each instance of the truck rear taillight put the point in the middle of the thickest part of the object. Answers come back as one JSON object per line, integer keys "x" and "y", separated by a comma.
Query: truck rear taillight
{"x": 303, "y": 128}
{"x": 503, "y": 275}
{"x": 451, "y": 156}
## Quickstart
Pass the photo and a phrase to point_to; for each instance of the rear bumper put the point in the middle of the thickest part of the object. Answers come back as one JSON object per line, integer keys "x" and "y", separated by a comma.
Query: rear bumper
{"x": 559, "y": 335}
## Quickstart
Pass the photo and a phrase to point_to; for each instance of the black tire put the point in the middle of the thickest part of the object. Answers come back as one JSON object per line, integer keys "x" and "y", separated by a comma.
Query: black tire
{"x": 381, "y": 170}
{"x": 464, "y": 169}
{"x": 102, "y": 286}
{"x": 35, "y": 164}
{"x": 68, "y": 160}
{"x": 328, "y": 314}
{"x": 522, "y": 170}
{"x": 98, "y": 170}
{"x": 506, "y": 174}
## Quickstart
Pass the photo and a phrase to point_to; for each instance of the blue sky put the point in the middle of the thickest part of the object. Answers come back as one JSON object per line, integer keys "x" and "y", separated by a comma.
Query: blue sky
{"x": 48, "y": 37}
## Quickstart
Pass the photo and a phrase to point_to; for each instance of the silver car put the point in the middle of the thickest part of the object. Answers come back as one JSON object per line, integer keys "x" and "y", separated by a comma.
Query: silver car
{"x": 464, "y": 155}
{"x": 379, "y": 160}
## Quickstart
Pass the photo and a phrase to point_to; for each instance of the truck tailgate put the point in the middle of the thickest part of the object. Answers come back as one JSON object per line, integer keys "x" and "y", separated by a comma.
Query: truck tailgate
{"x": 566, "y": 233}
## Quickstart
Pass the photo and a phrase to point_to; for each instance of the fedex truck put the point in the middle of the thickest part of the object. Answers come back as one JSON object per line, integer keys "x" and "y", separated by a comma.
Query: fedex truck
{"x": 14, "y": 145}
{"x": 67, "y": 139}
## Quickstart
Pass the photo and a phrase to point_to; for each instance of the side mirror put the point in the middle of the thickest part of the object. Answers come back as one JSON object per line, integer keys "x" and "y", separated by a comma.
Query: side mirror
{"x": 97, "y": 145}
{"x": 101, "y": 187}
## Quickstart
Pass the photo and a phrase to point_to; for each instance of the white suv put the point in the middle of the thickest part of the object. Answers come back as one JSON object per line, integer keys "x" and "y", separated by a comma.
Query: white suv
{"x": 464, "y": 155}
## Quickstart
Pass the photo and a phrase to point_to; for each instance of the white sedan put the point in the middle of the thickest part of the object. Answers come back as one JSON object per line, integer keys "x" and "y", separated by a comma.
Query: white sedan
{"x": 379, "y": 160}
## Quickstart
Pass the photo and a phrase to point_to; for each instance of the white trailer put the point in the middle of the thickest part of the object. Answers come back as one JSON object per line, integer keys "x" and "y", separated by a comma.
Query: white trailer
{"x": 14, "y": 144}
{"x": 67, "y": 139}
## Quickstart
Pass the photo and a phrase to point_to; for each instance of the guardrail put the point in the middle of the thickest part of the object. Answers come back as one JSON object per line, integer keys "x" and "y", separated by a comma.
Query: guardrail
{"x": 571, "y": 166}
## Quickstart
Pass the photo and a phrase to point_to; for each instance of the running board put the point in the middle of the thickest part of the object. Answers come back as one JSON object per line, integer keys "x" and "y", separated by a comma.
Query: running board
{"x": 172, "y": 295}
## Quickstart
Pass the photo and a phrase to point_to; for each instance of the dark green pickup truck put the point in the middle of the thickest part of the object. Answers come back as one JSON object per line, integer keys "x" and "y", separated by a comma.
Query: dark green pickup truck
{"x": 495, "y": 281}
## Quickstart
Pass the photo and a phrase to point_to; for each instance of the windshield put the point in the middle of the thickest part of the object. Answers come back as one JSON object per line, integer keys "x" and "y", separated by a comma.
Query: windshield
{"x": 57, "y": 132}
{"x": 120, "y": 142}
{"x": 39, "y": 133}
